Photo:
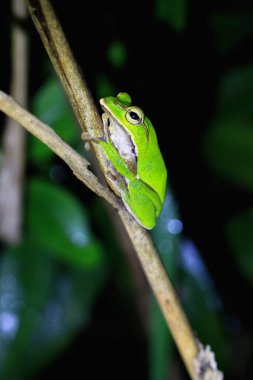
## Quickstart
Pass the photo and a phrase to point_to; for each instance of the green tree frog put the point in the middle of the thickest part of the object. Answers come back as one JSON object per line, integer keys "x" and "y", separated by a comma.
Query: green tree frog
{"x": 130, "y": 143}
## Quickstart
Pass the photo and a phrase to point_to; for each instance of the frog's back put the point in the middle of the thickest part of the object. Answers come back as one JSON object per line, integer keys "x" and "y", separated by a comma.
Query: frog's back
{"x": 151, "y": 166}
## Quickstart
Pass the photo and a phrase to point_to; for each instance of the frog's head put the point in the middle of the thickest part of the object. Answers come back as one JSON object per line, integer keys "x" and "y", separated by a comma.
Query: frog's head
{"x": 127, "y": 116}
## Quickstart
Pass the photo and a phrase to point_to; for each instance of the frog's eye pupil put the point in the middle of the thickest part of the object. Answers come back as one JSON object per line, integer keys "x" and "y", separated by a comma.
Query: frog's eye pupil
{"x": 134, "y": 115}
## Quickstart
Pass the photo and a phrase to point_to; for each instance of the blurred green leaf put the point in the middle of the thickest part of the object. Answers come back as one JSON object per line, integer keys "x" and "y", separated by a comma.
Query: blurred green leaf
{"x": 235, "y": 93}
{"x": 167, "y": 241}
{"x": 104, "y": 87}
{"x": 240, "y": 238}
{"x": 116, "y": 258}
{"x": 44, "y": 302}
{"x": 51, "y": 106}
{"x": 228, "y": 148}
{"x": 172, "y": 11}
{"x": 166, "y": 235}
{"x": 230, "y": 29}
{"x": 117, "y": 54}
{"x": 42, "y": 306}
{"x": 48, "y": 102}
{"x": 58, "y": 222}
{"x": 160, "y": 344}
{"x": 201, "y": 302}
{"x": 25, "y": 276}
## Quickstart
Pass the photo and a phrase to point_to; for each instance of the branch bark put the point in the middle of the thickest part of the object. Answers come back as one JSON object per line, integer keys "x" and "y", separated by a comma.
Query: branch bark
{"x": 88, "y": 117}
{"x": 71, "y": 79}
{"x": 200, "y": 363}
{"x": 47, "y": 135}
{"x": 13, "y": 143}
{"x": 140, "y": 239}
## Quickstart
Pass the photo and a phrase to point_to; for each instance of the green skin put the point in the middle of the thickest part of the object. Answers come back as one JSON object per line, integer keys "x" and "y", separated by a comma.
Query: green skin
{"x": 143, "y": 192}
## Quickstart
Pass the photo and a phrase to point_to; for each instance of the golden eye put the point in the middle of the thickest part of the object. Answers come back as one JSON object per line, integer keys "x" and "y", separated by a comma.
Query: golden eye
{"x": 134, "y": 115}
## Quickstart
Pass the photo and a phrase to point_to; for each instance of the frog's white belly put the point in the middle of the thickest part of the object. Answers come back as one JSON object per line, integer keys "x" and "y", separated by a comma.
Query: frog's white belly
{"x": 122, "y": 142}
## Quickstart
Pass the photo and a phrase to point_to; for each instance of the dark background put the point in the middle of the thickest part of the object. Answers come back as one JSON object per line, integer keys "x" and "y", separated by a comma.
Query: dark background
{"x": 175, "y": 75}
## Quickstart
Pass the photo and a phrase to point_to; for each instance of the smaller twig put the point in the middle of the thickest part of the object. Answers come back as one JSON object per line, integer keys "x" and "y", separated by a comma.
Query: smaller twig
{"x": 70, "y": 77}
{"x": 206, "y": 365}
{"x": 77, "y": 163}
{"x": 13, "y": 143}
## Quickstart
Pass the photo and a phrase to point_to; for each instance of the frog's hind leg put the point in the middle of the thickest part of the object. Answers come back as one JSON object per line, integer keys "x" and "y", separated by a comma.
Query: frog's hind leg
{"x": 139, "y": 202}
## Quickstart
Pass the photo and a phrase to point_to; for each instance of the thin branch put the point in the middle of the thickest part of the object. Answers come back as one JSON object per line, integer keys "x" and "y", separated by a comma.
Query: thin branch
{"x": 88, "y": 117}
{"x": 206, "y": 365}
{"x": 13, "y": 144}
{"x": 47, "y": 135}
{"x": 85, "y": 111}
{"x": 71, "y": 79}
{"x": 83, "y": 105}
{"x": 140, "y": 239}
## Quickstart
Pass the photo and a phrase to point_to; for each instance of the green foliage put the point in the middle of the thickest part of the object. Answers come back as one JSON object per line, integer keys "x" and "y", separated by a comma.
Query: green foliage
{"x": 44, "y": 304}
{"x": 103, "y": 86}
{"x": 117, "y": 54}
{"x": 202, "y": 303}
{"x": 49, "y": 284}
{"x": 193, "y": 282}
{"x": 58, "y": 222}
{"x": 50, "y": 106}
{"x": 172, "y": 11}
{"x": 228, "y": 145}
{"x": 160, "y": 341}
{"x": 239, "y": 235}
{"x": 230, "y": 29}
{"x": 235, "y": 93}
{"x": 229, "y": 150}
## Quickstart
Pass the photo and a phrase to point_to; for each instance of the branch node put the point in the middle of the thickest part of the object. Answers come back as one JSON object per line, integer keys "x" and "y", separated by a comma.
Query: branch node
{"x": 205, "y": 364}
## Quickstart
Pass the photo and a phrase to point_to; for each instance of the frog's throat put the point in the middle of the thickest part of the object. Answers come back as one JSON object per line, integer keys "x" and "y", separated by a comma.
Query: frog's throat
{"x": 125, "y": 132}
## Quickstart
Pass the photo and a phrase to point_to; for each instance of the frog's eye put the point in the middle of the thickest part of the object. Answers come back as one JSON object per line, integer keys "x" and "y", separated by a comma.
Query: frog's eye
{"x": 134, "y": 115}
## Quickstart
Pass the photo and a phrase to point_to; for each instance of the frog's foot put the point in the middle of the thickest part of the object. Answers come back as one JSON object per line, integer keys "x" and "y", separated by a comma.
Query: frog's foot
{"x": 117, "y": 178}
{"x": 87, "y": 137}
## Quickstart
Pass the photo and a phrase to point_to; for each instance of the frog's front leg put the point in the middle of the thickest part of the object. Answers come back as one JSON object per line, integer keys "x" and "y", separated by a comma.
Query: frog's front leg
{"x": 106, "y": 122}
{"x": 87, "y": 137}
{"x": 113, "y": 156}
{"x": 116, "y": 160}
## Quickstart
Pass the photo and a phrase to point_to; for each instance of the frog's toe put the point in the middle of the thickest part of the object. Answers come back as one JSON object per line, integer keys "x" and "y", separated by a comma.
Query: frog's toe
{"x": 86, "y": 136}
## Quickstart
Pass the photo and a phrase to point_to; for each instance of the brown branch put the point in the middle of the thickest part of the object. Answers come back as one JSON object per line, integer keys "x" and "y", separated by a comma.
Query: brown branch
{"x": 71, "y": 79}
{"x": 88, "y": 117}
{"x": 62, "y": 59}
{"x": 85, "y": 111}
{"x": 13, "y": 144}
{"x": 47, "y": 135}
{"x": 140, "y": 239}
